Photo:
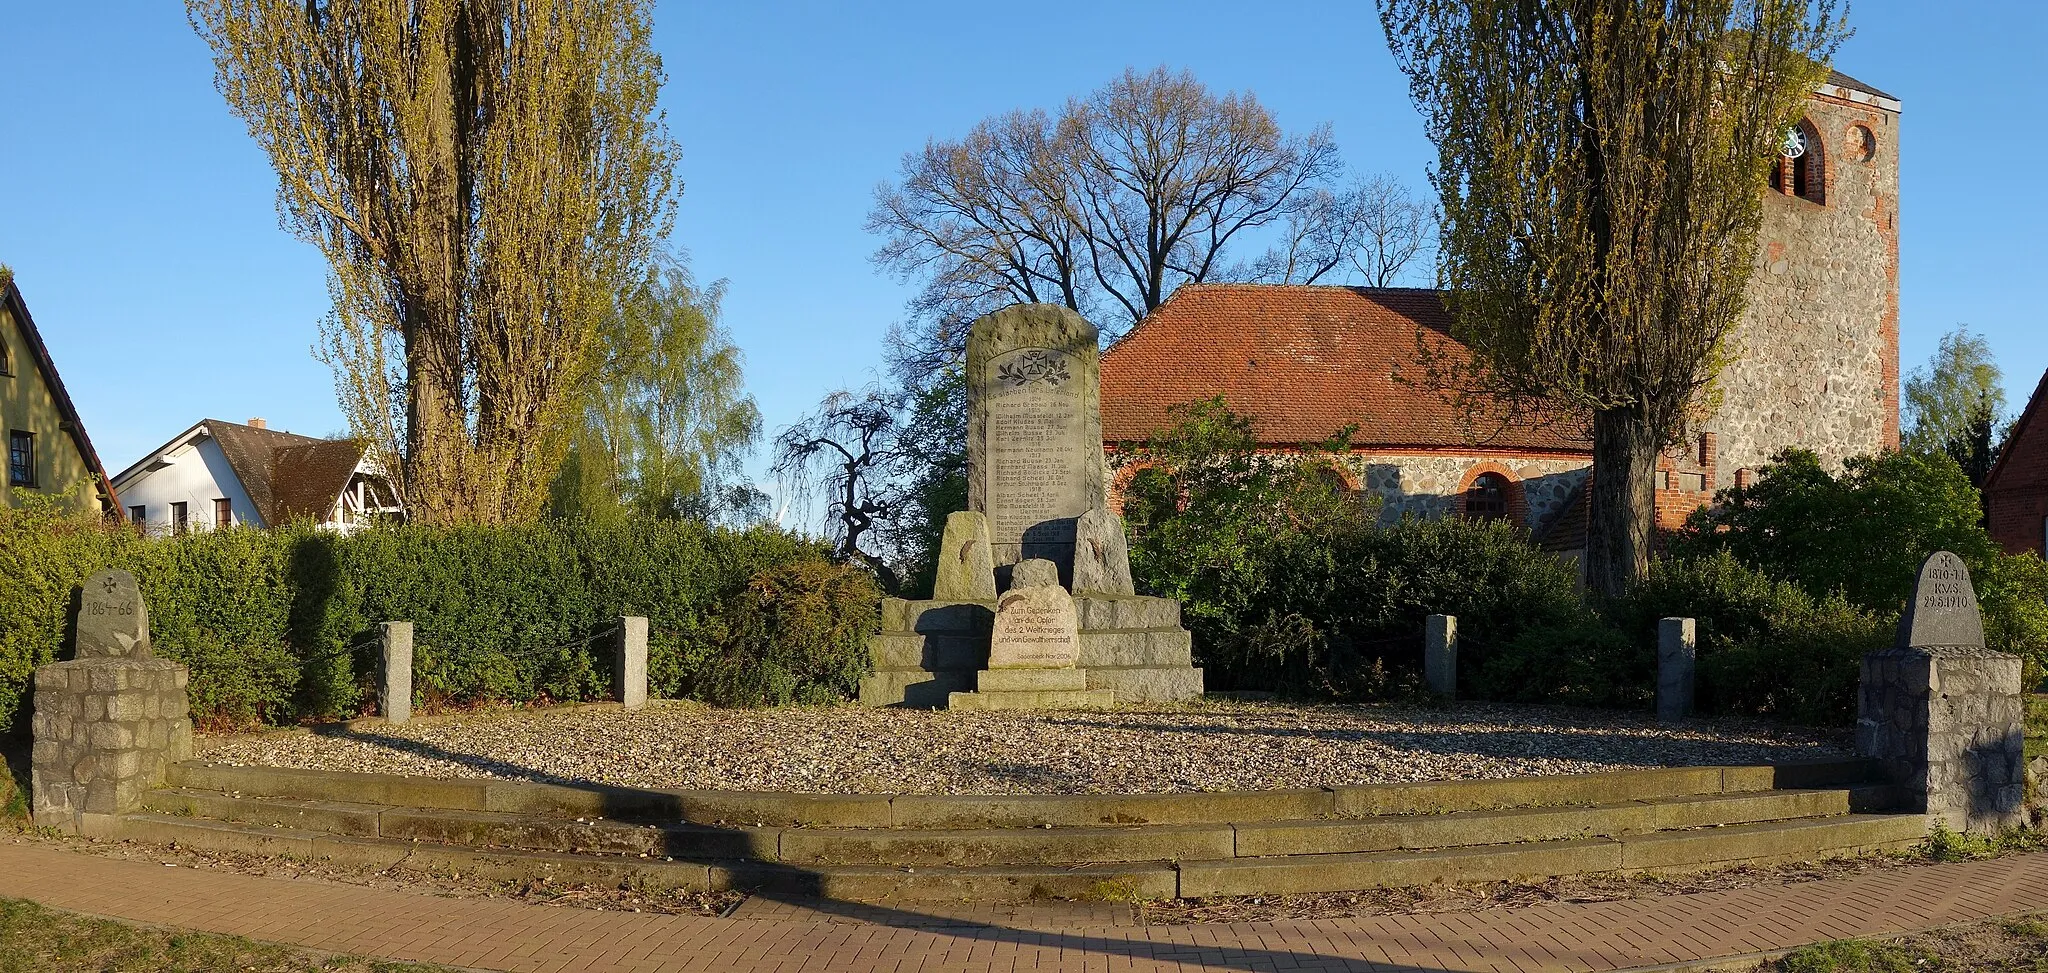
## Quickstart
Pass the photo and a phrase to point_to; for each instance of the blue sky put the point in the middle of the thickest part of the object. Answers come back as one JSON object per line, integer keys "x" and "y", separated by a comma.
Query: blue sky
{"x": 140, "y": 219}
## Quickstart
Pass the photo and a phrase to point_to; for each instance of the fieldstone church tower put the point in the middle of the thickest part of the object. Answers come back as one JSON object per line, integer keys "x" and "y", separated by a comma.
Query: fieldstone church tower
{"x": 1815, "y": 360}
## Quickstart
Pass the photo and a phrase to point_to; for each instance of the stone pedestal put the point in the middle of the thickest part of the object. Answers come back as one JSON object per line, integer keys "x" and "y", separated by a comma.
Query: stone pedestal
{"x": 1946, "y": 725}
{"x": 105, "y": 728}
{"x": 1132, "y": 644}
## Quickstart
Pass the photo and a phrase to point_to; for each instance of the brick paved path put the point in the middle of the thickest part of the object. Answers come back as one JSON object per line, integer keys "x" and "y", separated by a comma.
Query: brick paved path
{"x": 511, "y": 936}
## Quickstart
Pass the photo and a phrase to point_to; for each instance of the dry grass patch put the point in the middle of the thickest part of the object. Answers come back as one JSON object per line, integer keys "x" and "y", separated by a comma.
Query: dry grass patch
{"x": 1998, "y": 946}
{"x": 38, "y": 940}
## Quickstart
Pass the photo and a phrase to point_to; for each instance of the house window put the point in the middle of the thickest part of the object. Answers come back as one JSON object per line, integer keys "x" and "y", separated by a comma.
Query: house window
{"x": 180, "y": 522}
{"x": 21, "y": 458}
{"x": 1487, "y": 497}
{"x": 6, "y": 360}
{"x": 223, "y": 512}
{"x": 1801, "y": 171}
{"x": 139, "y": 516}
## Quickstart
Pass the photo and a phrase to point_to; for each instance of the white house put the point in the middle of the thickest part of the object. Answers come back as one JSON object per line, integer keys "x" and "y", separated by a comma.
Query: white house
{"x": 217, "y": 474}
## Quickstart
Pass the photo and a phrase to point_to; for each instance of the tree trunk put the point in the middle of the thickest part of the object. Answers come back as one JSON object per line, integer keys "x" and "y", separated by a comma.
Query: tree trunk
{"x": 1622, "y": 512}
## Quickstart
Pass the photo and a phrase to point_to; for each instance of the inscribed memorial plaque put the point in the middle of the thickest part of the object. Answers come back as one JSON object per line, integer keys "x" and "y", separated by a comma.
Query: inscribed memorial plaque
{"x": 1943, "y": 612}
{"x": 112, "y": 621}
{"x": 1036, "y": 625}
{"x": 1034, "y": 435}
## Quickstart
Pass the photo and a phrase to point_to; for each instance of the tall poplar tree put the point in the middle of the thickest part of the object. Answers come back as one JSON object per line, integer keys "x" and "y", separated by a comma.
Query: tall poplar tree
{"x": 1601, "y": 169}
{"x": 483, "y": 176}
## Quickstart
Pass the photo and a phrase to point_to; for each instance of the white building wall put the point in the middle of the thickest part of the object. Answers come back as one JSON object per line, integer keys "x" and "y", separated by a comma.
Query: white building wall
{"x": 197, "y": 475}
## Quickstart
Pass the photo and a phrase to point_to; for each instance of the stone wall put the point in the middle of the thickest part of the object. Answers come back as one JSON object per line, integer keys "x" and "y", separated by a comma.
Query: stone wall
{"x": 1816, "y": 358}
{"x": 105, "y": 728}
{"x": 1946, "y": 723}
{"x": 1428, "y": 485}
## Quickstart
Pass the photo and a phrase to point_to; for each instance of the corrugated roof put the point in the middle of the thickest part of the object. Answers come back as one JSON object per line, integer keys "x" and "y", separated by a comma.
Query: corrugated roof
{"x": 1305, "y": 361}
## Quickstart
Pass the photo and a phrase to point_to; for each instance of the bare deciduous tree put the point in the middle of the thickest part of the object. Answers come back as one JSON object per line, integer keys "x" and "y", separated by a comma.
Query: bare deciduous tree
{"x": 1149, "y": 183}
{"x": 850, "y": 450}
{"x": 1601, "y": 169}
{"x": 482, "y": 176}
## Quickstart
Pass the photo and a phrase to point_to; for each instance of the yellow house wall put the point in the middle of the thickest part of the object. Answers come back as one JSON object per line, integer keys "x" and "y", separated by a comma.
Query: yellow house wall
{"x": 27, "y": 404}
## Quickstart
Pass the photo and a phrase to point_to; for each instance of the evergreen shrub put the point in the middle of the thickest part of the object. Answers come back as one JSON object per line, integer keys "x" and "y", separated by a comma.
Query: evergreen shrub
{"x": 279, "y": 626}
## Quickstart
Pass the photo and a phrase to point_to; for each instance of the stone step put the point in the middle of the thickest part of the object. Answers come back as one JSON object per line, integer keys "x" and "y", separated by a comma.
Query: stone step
{"x": 1422, "y": 831}
{"x": 1147, "y": 684}
{"x": 900, "y": 651}
{"x": 1032, "y": 699}
{"x": 1158, "y": 647}
{"x": 932, "y": 811}
{"x": 1673, "y": 851}
{"x": 1660, "y": 852}
{"x": 1095, "y": 612}
{"x": 1009, "y": 680}
{"x": 914, "y": 688}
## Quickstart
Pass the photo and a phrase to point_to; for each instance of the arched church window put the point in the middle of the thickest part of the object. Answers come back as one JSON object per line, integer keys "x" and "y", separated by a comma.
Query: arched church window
{"x": 1487, "y": 497}
{"x": 1801, "y": 171}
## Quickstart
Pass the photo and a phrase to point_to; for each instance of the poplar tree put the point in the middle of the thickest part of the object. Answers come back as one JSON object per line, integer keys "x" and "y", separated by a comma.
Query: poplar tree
{"x": 483, "y": 177}
{"x": 1600, "y": 172}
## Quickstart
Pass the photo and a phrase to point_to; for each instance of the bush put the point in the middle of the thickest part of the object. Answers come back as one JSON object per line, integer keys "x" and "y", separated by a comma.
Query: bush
{"x": 279, "y": 626}
{"x": 1286, "y": 582}
{"x": 796, "y": 634}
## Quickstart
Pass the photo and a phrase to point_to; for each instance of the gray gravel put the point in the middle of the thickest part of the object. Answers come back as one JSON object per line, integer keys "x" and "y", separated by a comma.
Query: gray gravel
{"x": 1196, "y": 747}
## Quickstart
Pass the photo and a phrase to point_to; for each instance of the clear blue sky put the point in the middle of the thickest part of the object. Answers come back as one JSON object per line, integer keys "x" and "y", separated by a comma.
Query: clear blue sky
{"x": 140, "y": 219}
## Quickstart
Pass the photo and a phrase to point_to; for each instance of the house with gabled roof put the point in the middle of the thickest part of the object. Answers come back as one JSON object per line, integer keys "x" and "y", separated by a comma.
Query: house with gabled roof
{"x": 48, "y": 451}
{"x": 2016, "y": 491}
{"x": 221, "y": 474}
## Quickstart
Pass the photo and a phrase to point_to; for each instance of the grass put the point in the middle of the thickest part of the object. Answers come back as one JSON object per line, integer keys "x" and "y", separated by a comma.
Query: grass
{"x": 1998, "y": 946}
{"x": 1943, "y": 845}
{"x": 38, "y": 940}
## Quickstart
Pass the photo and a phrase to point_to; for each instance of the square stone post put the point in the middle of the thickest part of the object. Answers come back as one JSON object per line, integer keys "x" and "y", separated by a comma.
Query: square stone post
{"x": 1946, "y": 723}
{"x": 1677, "y": 651}
{"x": 1440, "y": 654}
{"x": 629, "y": 661}
{"x": 397, "y": 640}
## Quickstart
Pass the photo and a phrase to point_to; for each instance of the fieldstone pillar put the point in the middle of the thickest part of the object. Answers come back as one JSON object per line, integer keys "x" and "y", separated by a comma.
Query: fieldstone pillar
{"x": 1440, "y": 654}
{"x": 109, "y": 721}
{"x": 1677, "y": 652}
{"x": 1942, "y": 713}
{"x": 629, "y": 660}
{"x": 397, "y": 641}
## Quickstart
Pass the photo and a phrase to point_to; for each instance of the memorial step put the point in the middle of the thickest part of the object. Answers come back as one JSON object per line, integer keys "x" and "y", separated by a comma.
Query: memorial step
{"x": 1039, "y": 699}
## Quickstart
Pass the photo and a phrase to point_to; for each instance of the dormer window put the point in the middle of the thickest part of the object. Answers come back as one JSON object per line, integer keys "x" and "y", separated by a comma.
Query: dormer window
{"x": 1801, "y": 171}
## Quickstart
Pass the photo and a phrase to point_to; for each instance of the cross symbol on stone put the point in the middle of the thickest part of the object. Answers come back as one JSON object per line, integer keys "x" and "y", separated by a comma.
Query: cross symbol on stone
{"x": 109, "y": 585}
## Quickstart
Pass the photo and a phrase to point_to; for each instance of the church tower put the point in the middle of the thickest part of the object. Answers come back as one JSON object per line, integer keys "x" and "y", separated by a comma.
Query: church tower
{"x": 1815, "y": 361}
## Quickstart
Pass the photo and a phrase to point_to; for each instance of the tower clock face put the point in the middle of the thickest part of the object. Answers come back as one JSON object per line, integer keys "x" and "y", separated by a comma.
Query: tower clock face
{"x": 1795, "y": 143}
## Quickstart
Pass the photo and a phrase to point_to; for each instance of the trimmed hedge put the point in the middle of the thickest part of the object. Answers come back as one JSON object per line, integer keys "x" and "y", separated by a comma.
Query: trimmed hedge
{"x": 279, "y": 626}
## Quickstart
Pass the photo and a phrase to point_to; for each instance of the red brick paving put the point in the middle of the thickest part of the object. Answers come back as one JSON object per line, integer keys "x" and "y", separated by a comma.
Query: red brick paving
{"x": 497, "y": 934}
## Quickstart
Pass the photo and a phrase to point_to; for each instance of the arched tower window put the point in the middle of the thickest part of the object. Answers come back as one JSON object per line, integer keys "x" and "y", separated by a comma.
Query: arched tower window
{"x": 1487, "y": 497}
{"x": 1802, "y": 166}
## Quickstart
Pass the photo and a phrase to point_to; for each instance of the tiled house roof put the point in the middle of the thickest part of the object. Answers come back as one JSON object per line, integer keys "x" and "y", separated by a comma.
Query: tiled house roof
{"x": 287, "y": 476}
{"x": 1305, "y": 361}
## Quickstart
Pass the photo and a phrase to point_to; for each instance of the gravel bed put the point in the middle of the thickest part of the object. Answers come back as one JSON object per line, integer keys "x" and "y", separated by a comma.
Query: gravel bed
{"x": 1207, "y": 746}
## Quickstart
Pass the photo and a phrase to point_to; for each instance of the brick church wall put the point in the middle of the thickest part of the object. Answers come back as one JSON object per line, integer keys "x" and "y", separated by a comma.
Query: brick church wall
{"x": 1815, "y": 360}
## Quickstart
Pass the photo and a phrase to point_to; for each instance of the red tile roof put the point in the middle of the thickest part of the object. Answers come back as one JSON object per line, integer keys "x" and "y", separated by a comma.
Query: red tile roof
{"x": 1304, "y": 361}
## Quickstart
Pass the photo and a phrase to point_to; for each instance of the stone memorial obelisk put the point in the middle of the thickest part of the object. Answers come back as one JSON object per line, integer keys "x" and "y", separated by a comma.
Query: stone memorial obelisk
{"x": 1037, "y": 494}
{"x": 1942, "y": 713}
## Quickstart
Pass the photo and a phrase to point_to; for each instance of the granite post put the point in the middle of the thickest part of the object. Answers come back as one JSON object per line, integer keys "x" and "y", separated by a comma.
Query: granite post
{"x": 397, "y": 641}
{"x": 629, "y": 661}
{"x": 1943, "y": 714}
{"x": 1440, "y": 654}
{"x": 108, "y": 722}
{"x": 1677, "y": 652}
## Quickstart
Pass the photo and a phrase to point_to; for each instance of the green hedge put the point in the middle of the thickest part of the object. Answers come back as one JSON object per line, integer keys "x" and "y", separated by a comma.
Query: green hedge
{"x": 279, "y": 626}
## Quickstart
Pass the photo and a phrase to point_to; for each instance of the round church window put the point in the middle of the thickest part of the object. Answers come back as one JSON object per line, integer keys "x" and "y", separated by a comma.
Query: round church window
{"x": 1862, "y": 143}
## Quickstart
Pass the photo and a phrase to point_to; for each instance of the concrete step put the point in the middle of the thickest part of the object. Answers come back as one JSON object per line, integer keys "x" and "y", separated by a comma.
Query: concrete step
{"x": 1461, "y": 828}
{"x": 935, "y": 811}
{"x": 1661, "y": 852}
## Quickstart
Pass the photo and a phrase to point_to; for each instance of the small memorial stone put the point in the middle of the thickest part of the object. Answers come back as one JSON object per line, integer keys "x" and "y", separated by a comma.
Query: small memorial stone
{"x": 1943, "y": 613}
{"x": 1102, "y": 556}
{"x": 966, "y": 568}
{"x": 112, "y": 621}
{"x": 1036, "y": 625}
